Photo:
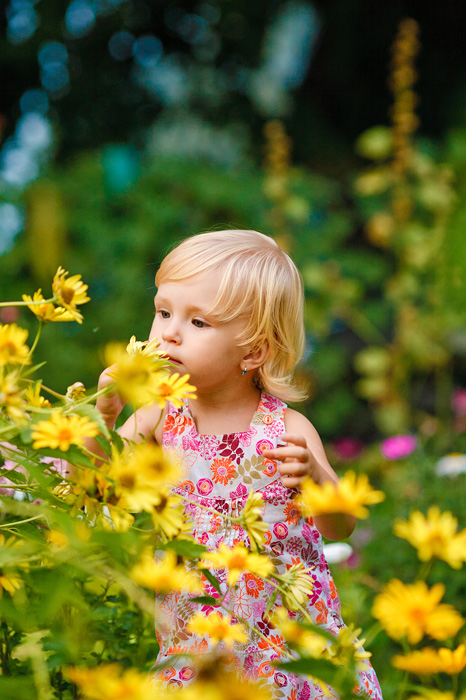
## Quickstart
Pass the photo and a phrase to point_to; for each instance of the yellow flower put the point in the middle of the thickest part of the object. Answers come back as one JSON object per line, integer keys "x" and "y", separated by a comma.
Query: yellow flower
{"x": 166, "y": 575}
{"x": 412, "y": 611}
{"x": 251, "y": 518}
{"x": 428, "y": 694}
{"x": 296, "y": 586}
{"x": 137, "y": 376}
{"x": 47, "y": 312}
{"x": 347, "y": 649}
{"x": 11, "y": 397}
{"x": 174, "y": 389}
{"x": 215, "y": 680}
{"x": 434, "y": 536}
{"x": 141, "y": 474}
{"x": 145, "y": 347}
{"x": 237, "y": 560}
{"x": 76, "y": 391}
{"x": 89, "y": 489}
{"x": 34, "y": 398}
{"x": 10, "y": 581}
{"x": 217, "y": 627}
{"x": 453, "y": 662}
{"x": 429, "y": 661}
{"x": 170, "y": 519}
{"x": 13, "y": 348}
{"x": 57, "y": 538}
{"x": 350, "y": 496}
{"x": 60, "y": 432}
{"x": 70, "y": 292}
{"x": 308, "y": 642}
{"x": 110, "y": 682}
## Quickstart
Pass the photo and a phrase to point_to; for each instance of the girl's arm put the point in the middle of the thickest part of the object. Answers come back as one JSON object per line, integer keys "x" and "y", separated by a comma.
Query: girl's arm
{"x": 137, "y": 427}
{"x": 304, "y": 456}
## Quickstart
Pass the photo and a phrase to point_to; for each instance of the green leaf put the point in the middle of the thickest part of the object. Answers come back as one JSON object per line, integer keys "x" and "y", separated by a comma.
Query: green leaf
{"x": 212, "y": 579}
{"x": 115, "y": 437}
{"x": 185, "y": 548}
{"x": 318, "y": 668}
{"x": 104, "y": 445}
{"x": 91, "y": 412}
{"x": 271, "y": 602}
{"x": 205, "y": 600}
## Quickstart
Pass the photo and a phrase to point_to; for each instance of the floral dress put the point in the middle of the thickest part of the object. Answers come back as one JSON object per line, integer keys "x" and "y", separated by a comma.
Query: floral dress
{"x": 219, "y": 472}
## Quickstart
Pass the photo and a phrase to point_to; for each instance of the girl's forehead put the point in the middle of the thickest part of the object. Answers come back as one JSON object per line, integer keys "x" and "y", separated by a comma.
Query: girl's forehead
{"x": 199, "y": 288}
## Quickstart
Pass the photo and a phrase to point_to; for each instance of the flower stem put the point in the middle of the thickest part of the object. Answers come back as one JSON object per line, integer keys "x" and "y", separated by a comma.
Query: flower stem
{"x": 21, "y": 522}
{"x": 27, "y": 303}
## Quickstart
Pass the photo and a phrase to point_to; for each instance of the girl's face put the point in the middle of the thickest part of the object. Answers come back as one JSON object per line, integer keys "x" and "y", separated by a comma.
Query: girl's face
{"x": 198, "y": 345}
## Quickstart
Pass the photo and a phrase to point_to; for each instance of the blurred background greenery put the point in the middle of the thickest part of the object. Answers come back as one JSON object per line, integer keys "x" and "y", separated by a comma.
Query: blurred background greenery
{"x": 128, "y": 125}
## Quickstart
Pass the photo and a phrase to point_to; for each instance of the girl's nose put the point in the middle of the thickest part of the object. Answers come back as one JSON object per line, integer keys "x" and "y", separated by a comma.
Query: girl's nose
{"x": 171, "y": 333}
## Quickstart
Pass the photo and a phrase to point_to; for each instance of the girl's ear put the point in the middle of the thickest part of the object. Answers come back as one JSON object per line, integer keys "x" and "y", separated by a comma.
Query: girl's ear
{"x": 256, "y": 357}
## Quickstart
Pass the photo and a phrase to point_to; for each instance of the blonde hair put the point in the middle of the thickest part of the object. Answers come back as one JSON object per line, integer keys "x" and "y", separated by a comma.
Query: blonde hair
{"x": 261, "y": 284}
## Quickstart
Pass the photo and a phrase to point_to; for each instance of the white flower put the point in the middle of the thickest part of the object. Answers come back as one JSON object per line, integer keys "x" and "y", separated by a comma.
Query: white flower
{"x": 336, "y": 552}
{"x": 451, "y": 465}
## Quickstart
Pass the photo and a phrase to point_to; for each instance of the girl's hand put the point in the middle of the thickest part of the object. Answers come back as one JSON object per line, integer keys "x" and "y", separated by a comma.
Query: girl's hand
{"x": 110, "y": 405}
{"x": 296, "y": 459}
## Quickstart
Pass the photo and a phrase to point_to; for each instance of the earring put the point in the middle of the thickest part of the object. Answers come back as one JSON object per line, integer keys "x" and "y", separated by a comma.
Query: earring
{"x": 244, "y": 371}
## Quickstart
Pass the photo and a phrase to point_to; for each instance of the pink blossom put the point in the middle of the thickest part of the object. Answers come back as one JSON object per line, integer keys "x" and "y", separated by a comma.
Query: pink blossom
{"x": 347, "y": 448}
{"x": 398, "y": 446}
{"x": 458, "y": 402}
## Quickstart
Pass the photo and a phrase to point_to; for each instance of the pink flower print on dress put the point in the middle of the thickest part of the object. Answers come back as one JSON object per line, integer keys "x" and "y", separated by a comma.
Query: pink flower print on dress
{"x": 280, "y": 530}
{"x": 274, "y": 429}
{"x": 294, "y": 545}
{"x": 246, "y": 438}
{"x": 167, "y": 673}
{"x": 187, "y": 673}
{"x": 271, "y": 402}
{"x": 254, "y": 584}
{"x": 270, "y": 467}
{"x": 280, "y": 679}
{"x": 223, "y": 470}
{"x": 190, "y": 441}
{"x": 310, "y": 534}
{"x": 204, "y": 486}
{"x": 262, "y": 445}
{"x": 208, "y": 446}
{"x": 292, "y": 512}
{"x": 240, "y": 493}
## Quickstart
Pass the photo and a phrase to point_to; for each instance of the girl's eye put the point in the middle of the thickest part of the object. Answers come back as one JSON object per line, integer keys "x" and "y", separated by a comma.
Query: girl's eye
{"x": 164, "y": 314}
{"x": 198, "y": 323}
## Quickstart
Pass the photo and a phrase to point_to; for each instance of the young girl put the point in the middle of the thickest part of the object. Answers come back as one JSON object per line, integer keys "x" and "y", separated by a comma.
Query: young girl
{"x": 229, "y": 312}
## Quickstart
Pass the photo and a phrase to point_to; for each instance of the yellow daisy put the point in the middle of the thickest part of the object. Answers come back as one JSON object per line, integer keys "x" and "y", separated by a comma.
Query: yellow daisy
{"x": 70, "y": 292}
{"x": 434, "y": 536}
{"x": 174, "y": 389}
{"x": 308, "y": 642}
{"x": 251, "y": 518}
{"x": 48, "y": 312}
{"x": 170, "y": 519}
{"x": 413, "y": 610}
{"x": 166, "y": 575}
{"x": 429, "y": 661}
{"x": 142, "y": 473}
{"x": 347, "y": 649}
{"x": 13, "y": 348}
{"x": 60, "y": 432}
{"x": 217, "y": 627}
{"x": 145, "y": 347}
{"x": 111, "y": 682}
{"x": 296, "y": 586}
{"x": 237, "y": 560}
{"x": 33, "y": 396}
{"x": 453, "y": 662}
{"x": 137, "y": 377}
{"x": 350, "y": 496}
{"x": 11, "y": 396}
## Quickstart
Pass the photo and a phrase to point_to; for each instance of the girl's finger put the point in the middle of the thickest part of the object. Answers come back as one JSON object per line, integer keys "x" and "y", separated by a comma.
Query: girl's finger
{"x": 294, "y": 439}
{"x": 300, "y": 453}
{"x": 291, "y": 468}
